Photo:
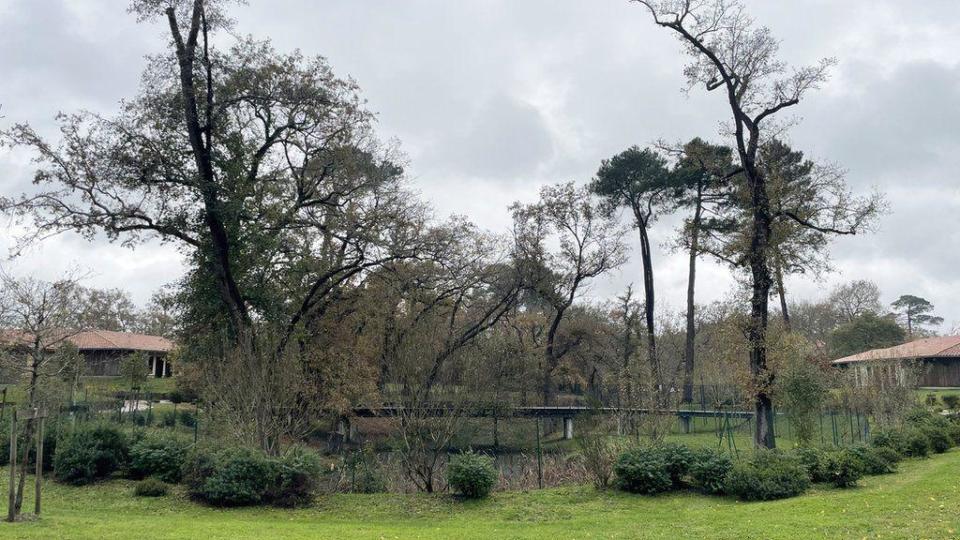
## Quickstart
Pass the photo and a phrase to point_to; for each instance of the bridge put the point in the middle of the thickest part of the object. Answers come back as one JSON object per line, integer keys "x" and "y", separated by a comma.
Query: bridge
{"x": 567, "y": 413}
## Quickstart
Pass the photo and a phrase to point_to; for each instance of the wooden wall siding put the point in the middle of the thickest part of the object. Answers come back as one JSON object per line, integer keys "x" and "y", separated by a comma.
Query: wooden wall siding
{"x": 942, "y": 372}
{"x": 102, "y": 363}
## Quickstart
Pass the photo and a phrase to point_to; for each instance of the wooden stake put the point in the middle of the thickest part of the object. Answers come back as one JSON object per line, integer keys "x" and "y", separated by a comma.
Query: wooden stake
{"x": 13, "y": 467}
{"x": 39, "y": 460}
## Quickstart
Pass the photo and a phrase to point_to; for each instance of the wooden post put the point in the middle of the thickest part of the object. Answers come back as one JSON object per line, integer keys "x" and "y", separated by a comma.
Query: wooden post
{"x": 13, "y": 467}
{"x": 39, "y": 460}
{"x": 539, "y": 457}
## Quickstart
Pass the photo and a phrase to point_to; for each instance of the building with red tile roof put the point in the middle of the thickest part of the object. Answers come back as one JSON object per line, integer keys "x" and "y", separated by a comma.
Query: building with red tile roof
{"x": 938, "y": 359}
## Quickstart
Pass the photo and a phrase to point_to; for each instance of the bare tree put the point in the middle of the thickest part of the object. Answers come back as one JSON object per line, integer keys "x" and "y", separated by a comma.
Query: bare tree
{"x": 853, "y": 299}
{"x": 432, "y": 312}
{"x": 728, "y": 52}
{"x": 590, "y": 243}
{"x": 38, "y": 318}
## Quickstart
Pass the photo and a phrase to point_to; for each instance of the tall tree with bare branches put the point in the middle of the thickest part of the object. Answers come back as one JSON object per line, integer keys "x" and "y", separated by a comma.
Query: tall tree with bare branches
{"x": 728, "y": 52}
{"x": 590, "y": 244}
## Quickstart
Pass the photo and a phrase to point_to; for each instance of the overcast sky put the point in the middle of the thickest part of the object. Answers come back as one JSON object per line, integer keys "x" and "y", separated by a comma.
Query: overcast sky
{"x": 491, "y": 99}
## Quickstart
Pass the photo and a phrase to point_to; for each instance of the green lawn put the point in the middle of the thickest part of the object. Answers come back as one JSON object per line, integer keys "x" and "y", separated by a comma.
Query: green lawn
{"x": 921, "y": 501}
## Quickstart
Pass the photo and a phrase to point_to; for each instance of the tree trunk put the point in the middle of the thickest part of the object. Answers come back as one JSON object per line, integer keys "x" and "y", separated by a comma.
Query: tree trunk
{"x": 28, "y": 432}
{"x": 649, "y": 302}
{"x": 690, "y": 345}
{"x": 220, "y": 262}
{"x": 759, "y": 308}
{"x": 782, "y": 293}
{"x": 549, "y": 359}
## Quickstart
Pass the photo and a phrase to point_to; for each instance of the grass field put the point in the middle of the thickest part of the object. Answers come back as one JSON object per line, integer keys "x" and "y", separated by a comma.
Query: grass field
{"x": 921, "y": 501}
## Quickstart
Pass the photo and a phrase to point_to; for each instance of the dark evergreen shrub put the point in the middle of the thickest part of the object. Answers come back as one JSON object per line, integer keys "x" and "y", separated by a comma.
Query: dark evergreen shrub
{"x": 243, "y": 476}
{"x": 678, "y": 458}
{"x": 894, "y": 440}
{"x": 845, "y": 468}
{"x": 875, "y": 460}
{"x": 158, "y": 455}
{"x": 300, "y": 473}
{"x": 709, "y": 468}
{"x": 766, "y": 476}
{"x": 889, "y": 455}
{"x": 472, "y": 475}
{"x": 916, "y": 442}
{"x": 188, "y": 418}
{"x": 642, "y": 470}
{"x": 951, "y": 401}
{"x": 816, "y": 462}
{"x": 151, "y": 487}
{"x": 240, "y": 477}
{"x": 91, "y": 453}
{"x": 939, "y": 437}
{"x": 168, "y": 419}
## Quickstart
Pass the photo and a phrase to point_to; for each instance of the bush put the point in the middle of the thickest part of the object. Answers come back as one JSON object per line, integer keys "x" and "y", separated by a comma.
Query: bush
{"x": 709, "y": 468}
{"x": 768, "y": 475}
{"x": 473, "y": 475}
{"x": 916, "y": 443}
{"x": 188, "y": 418}
{"x": 889, "y": 455}
{"x": 599, "y": 454}
{"x": 642, "y": 470}
{"x": 953, "y": 430}
{"x": 168, "y": 419}
{"x": 151, "y": 487}
{"x": 242, "y": 476}
{"x": 198, "y": 465}
{"x": 872, "y": 461}
{"x": 893, "y": 440}
{"x": 951, "y": 401}
{"x": 939, "y": 437}
{"x": 931, "y": 400}
{"x": 678, "y": 458}
{"x": 845, "y": 468}
{"x": 49, "y": 446}
{"x": 90, "y": 453}
{"x": 816, "y": 462}
{"x": 158, "y": 455}
{"x": 300, "y": 470}
{"x": 364, "y": 472}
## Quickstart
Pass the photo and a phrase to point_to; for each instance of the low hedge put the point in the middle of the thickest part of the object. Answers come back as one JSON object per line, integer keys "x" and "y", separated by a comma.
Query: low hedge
{"x": 643, "y": 470}
{"x": 709, "y": 468}
{"x": 151, "y": 487}
{"x": 90, "y": 453}
{"x": 767, "y": 475}
{"x": 244, "y": 477}
{"x": 159, "y": 455}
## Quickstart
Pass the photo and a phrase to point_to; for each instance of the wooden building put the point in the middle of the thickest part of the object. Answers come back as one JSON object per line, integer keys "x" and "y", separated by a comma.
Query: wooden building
{"x": 104, "y": 350}
{"x": 936, "y": 361}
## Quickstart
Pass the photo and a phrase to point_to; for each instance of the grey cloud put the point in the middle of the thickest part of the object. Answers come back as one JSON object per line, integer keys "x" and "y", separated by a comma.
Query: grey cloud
{"x": 493, "y": 98}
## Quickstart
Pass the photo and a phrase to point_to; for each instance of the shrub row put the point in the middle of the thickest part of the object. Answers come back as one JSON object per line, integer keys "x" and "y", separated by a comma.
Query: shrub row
{"x": 222, "y": 477}
{"x": 243, "y": 477}
{"x": 771, "y": 474}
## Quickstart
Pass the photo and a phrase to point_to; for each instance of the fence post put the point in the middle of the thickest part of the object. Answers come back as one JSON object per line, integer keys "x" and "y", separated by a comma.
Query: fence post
{"x": 39, "y": 460}
{"x": 539, "y": 457}
{"x": 196, "y": 423}
{"x": 13, "y": 467}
